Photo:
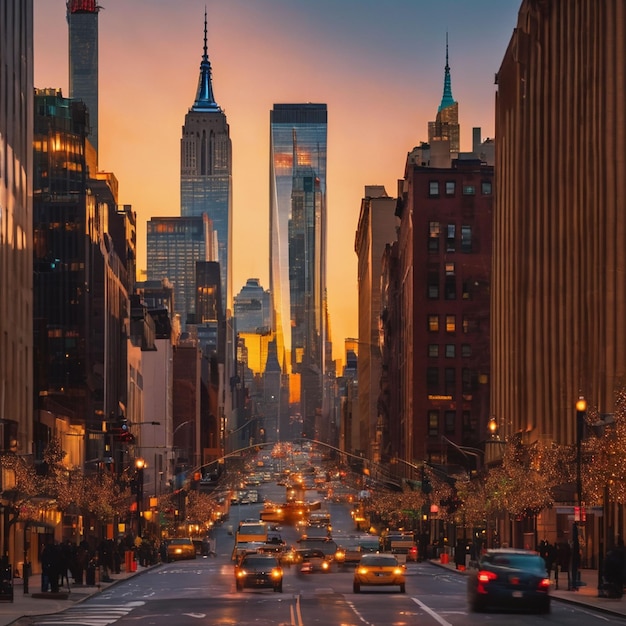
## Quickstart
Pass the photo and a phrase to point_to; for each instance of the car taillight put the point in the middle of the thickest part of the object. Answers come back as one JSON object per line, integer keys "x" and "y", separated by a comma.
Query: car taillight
{"x": 544, "y": 584}
{"x": 484, "y": 578}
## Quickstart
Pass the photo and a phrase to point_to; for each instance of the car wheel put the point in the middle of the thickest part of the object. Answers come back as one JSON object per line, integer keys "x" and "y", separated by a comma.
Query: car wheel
{"x": 477, "y": 607}
{"x": 545, "y": 608}
{"x": 356, "y": 587}
{"x": 402, "y": 588}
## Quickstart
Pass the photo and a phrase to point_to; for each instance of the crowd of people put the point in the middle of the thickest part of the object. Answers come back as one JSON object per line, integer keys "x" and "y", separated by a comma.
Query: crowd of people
{"x": 62, "y": 561}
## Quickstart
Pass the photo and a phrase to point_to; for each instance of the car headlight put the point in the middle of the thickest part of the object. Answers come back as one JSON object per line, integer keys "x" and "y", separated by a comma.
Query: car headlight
{"x": 340, "y": 555}
{"x": 362, "y": 570}
{"x": 398, "y": 571}
{"x": 276, "y": 573}
{"x": 325, "y": 565}
{"x": 241, "y": 573}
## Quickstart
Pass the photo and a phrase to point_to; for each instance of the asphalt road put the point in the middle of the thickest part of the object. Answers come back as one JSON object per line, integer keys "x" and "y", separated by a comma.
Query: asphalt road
{"x": 202, "y": 592}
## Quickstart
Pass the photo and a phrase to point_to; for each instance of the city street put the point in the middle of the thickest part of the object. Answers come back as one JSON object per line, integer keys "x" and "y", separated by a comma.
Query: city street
{"x": 202, "y": 591}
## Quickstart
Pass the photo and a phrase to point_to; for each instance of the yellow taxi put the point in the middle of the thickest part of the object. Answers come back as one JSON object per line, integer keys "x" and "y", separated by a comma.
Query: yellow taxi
{"x": 379, "y": 570}
{"x": 180, "y": 548}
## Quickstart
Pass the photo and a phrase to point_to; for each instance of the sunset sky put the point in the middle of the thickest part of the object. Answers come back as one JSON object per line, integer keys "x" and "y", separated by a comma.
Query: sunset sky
{"x": 377, "y": 64}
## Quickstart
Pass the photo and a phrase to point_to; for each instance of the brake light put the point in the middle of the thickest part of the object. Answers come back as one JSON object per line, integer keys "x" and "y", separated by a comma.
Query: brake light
{"x": 484, "y": 578}
{"x": 544, "y": 584}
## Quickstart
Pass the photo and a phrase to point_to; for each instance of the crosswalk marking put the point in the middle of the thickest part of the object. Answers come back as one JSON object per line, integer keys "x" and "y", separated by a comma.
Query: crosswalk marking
{"x": 87, "y": 615}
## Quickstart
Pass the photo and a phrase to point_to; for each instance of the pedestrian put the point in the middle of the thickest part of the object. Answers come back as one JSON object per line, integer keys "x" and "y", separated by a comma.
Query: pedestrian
{"x": 562, "y": 562}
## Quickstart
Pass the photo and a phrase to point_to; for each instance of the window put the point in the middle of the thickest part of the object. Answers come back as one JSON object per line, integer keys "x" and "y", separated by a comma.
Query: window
{"x": 433, "y": 188}
{"x": 433, "y": 323}
{"x": 485, "y": 187}
{"x": 466, "y": 350}
{"x": 450, "y": 284}
{"x": 450, "y": 421}
{"x": 450, "y": 380}
{"x": 450, "y": 323}
{"x": 465, "y": 290}
{"x": 470, "y": 325}
{"x": 470, "y": 424}
{"x": 450, "y": 351}
{"x": 432, "y": 379}
{"x": 450, "y": 187}
{"x": 433, "y": 423}
{"x": 433, "y": 282}
{"x": 466, "y": 380}
{"x": 469, "y": 190}
{"x": 434, "y": 230}
{"x": 466, "y": 238}
{"x": 433, "y": 350}
{"x": 450, "y": 238}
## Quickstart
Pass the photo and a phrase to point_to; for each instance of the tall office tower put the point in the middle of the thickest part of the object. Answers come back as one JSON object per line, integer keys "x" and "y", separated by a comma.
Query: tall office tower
{"x": 174, "y": 244}
{"x": 444, "y": 133}
{"x": 82, "y": 19}
{"x": 559, "y": 294}
{"x": 206, "y": 169}
{"x": 298, "y": 142}
{"x": 16, "y": 228}
{"x": 376, "y": 229}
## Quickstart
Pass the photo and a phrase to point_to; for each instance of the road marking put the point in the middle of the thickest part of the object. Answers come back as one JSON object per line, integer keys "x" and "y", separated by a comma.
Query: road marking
{"x": 432, "y": 613}
{"x": 87, "y": 615}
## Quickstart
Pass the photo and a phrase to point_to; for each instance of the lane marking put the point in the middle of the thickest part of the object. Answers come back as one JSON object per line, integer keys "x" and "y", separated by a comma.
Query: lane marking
{"x": 432, "y": 613}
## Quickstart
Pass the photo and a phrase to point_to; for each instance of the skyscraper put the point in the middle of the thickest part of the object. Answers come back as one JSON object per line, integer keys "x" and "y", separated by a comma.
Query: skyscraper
{"x": 446, "y": 126}
{"x": 174, "y": 245}
{"x": 298, "y": 143}
{"x": 206, "y": 168}
{"x": 82, "y": 19}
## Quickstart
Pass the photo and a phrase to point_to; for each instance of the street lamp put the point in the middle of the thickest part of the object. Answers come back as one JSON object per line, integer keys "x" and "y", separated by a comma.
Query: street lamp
{"x": 139, "y": 466}
{"x": 581, "y": 411}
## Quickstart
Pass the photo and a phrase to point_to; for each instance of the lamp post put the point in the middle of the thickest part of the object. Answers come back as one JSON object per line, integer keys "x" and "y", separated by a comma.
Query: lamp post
{"x": 139, "y": 466}
{"x": 581, "y": 410}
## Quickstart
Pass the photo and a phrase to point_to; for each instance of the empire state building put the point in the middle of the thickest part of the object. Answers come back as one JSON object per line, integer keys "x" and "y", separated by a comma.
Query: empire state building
{"x": 206, "y": 171}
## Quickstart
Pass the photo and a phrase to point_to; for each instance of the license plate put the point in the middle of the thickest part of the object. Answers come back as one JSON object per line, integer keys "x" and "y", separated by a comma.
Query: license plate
{"x": 379, "y": 574}
{"x": 518, "y": 594}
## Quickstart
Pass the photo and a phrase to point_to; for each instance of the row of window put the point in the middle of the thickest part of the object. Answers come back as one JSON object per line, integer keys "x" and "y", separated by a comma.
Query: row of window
{"x": 450, "y": 351}
{"x": 469, "y": 423}
{"x": 450, "y": 283}
{"x": 451, "y": 232}
{"x": 468, "y": 324}
{"x": 434, "y": 385}
{"x": 449, "y": 187}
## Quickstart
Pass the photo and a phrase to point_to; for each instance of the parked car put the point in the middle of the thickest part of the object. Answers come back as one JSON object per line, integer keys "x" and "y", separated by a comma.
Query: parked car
{"x": 379, "y": 570}
{"x": 259, "y": 570}
{"x": 509, "y": 579}
{"x": 179, "y": 548}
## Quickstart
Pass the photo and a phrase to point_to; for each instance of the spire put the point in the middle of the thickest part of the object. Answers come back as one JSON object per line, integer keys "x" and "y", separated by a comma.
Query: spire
{"x": 447, "y": 100}
{"x": 205, "y": 101}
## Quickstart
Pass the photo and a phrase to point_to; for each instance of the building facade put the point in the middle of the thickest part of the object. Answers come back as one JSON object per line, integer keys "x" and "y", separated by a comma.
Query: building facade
{"x": 435, "y": 315}
{"x": 16, "y": 229}
{"x": 377, "y": 228}
{"x": 559, "y": 295}
{"x": 298, "y": 145}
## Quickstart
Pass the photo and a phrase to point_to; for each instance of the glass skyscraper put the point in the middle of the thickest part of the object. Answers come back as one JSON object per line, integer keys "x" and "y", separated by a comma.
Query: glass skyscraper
{"x": 298, "y": 145}
{"x": 206, "y": 168}
{"x": 82, "y": 19}
{"x": 174, "y": 245}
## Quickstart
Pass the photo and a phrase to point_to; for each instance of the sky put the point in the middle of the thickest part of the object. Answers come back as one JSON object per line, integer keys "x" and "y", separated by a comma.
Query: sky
{"x": 378, "y": 65}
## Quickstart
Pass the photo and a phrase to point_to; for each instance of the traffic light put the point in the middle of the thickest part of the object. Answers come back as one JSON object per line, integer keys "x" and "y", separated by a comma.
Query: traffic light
{"x": 122, "y": 431}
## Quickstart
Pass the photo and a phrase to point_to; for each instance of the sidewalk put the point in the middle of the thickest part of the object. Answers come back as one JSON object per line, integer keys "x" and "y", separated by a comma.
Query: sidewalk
{"x": 586, "y": 595}
{"x": 36, "y": 603}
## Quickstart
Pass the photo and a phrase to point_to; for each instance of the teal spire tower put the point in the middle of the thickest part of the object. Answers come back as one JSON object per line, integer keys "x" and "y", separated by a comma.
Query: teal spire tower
{"x": 447, "y": 100}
